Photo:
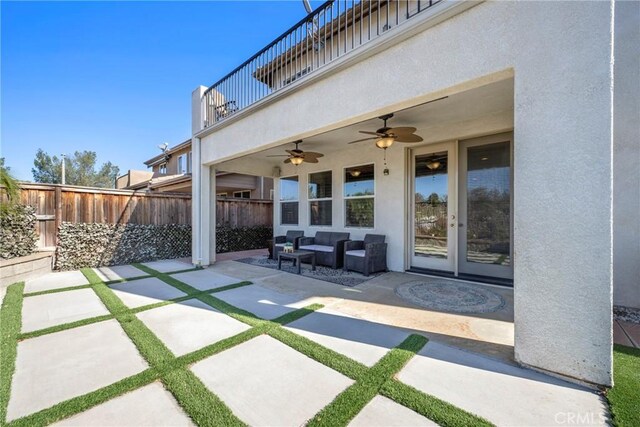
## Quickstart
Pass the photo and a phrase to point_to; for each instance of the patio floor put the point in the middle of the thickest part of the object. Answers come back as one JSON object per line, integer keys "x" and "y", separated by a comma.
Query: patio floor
{"x": 174, "y": 347}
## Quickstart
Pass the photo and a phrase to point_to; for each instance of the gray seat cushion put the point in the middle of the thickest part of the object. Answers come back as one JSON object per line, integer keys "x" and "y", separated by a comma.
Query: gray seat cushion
{"x": 317, "y": 248}
{"x": 356, "y": 252}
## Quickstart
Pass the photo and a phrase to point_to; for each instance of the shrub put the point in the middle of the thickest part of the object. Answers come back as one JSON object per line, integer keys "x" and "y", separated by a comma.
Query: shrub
{"x": 18, "y": 235}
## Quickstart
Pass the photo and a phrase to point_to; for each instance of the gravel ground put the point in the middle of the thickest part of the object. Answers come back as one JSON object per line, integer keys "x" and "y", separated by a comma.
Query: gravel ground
{"x": 626, "y": 314}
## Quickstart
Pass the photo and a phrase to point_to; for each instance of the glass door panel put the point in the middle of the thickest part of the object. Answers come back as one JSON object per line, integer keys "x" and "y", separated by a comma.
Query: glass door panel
{"x": 485, "y": 237}
{"x": 433, "y": 207}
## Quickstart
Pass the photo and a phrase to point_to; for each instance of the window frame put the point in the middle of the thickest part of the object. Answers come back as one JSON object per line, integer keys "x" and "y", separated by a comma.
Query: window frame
{"x": 322, "y": 199}
{"x": 280, "y": 201}
{"x": 162, "y": 168}
{"x": 241, "y": 192}
{"x": 345, "y": 198}
{"x": 189, "y": 162}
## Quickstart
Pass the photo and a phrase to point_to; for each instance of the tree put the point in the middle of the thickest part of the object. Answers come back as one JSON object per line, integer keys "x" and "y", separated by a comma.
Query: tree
{"x": 8, "y": 182}
{"x": 80, "y": 170}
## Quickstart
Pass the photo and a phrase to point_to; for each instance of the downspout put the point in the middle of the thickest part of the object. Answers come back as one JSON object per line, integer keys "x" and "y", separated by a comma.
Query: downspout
{"x": 197, "y": 200}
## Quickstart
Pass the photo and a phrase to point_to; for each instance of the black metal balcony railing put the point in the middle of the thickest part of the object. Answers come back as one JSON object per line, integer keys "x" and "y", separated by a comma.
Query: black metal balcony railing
{"x": 331, "y": 31}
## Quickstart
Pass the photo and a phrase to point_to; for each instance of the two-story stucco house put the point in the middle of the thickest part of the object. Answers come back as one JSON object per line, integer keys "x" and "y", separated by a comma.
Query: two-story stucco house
{"x": 501, "y": 146}
{"x": 171, "y": 171}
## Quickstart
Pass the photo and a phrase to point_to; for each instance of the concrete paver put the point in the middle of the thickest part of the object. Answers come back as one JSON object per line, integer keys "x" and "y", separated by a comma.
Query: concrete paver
{"x": 55, "y": 280}
{"x": 358, "y": 339}
{"x": 265, "y": 382}
{"x": 145, "y": 291}
{"x": 632, "y": 330}
{"x": 206, "y": 279}
{"x": 168, "y": 265}
{"x": 262, "y": 302}
{"x": 190, "y": 325}
{"x": 43, "y": 311}
{"x": 502, "y": 393}
{"x": 383, "y": 412}
{"x": 150, "y": 405}
{"x": 56, "y": 367}
{"x": 118, "y": 272}
{"x": 620, "y": 336}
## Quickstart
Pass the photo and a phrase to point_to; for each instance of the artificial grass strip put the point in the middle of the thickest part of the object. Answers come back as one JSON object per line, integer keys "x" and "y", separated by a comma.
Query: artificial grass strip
{"x": 222, "y": 306}
{"x": 80, "y": 404}
{"x": 11, "y": 321}
{"x": 186, "y": 270}
{"x": 205, "y": 408}
{"x": 439, "y": 411}
{"x": 136, "y": 310}
{"x": 297, "y": 314}
{"x": 55, "y": 291}
{"x": 351, "y": 401}
{"x": 64, "y": 327}
{"x": 336, "y": 361}
{"x": 624, "y": 397}
{"x": 219, "y": 346}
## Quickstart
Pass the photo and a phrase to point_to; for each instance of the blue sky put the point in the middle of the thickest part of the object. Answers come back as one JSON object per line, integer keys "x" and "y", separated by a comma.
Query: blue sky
{"x": 116, "y": 77}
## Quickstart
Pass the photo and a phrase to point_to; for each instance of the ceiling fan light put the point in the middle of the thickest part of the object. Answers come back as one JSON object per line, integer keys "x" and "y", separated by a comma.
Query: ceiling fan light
{"x": 385, "y": 142}
{"x": 297, "y": 160}
{"x": 355, "y": 173}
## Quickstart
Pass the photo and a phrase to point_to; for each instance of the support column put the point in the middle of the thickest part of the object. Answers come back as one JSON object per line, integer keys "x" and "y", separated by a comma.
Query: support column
{"x": 196, "y": 178}
{"x": 562, "y": 199}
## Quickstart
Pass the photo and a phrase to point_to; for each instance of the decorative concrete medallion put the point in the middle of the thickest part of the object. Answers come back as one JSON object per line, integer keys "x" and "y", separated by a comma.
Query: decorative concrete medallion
{"x": 450, "y": 296}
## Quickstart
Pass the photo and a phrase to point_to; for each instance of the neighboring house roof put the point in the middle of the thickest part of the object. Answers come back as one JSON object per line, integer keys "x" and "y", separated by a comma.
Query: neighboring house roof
{"x": 162, "y": 157}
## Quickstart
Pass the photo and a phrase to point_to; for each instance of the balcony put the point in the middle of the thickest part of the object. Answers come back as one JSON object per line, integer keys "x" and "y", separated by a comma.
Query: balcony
{"x": 335, "y": 29}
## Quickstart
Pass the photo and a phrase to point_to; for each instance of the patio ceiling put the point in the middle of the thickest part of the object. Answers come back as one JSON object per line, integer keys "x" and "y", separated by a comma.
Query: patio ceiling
{"x": 489, "y": 100}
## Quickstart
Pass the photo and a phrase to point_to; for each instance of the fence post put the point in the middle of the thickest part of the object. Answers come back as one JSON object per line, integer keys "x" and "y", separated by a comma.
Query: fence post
{"x": 58, "y": 211}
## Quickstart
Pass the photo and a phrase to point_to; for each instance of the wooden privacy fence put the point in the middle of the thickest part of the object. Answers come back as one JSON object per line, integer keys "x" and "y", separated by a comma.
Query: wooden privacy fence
{"x": 56, "y": 203}
{"x": 236, "y": 213}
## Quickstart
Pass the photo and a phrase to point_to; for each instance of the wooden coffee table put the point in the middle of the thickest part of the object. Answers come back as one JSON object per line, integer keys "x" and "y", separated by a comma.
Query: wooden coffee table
{"x": 297, "y": 257}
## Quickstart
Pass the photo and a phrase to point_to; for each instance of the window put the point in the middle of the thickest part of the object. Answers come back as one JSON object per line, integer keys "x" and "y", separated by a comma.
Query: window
{"x": 289, "y": 200}
{"x": 246, "y": 194}
{"x": 189, "y": 162}
{"x": 359, "y": 196}
{"x": 182, "y": 163}
{"x": 162, "y": 168}
{"x": 221, "y": 194}
{"x": 320, "y": 205}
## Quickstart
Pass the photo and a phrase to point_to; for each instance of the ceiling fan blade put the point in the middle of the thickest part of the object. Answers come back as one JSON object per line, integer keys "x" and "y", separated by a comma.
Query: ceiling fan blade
{"x": 292, "y": 152}
{"x": 371, "y": 133}
{"x": 288, "y": 160}
{"x": 402, "y": 131}
{"x": 311, "y": 154}
{"x": 310, "y": 160}
{"x": 409, "y": 138}
{"x": 363, "y": 139}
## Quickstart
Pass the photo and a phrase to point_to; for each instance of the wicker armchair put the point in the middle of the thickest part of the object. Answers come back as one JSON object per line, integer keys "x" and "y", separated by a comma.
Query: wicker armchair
{"x": 366, "y": 256}
{"x": 292, "y": 236}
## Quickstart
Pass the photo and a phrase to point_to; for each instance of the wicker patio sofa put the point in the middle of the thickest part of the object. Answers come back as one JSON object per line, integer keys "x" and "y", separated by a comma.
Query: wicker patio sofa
{"x": 328, "y": 247}
{"x": 366, "y": 256}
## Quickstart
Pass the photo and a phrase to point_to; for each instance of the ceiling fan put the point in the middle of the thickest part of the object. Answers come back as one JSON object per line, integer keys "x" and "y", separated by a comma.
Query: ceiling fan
{"x": 386, "y": 136}
{"x": 297, "y": 156}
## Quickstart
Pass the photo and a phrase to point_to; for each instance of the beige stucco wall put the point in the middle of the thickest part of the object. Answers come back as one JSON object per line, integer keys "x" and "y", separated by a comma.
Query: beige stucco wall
{"x": 559, "y": 53}
{"x": 626, "y": 156}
